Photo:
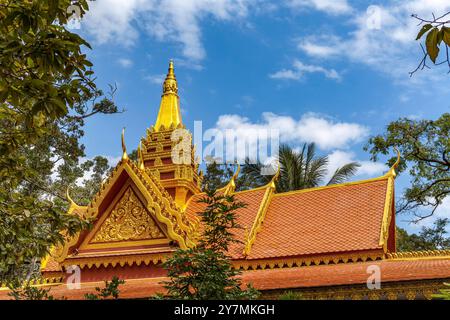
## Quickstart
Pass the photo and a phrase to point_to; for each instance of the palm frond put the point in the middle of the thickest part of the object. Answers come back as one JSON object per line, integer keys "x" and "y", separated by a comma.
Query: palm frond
{"x": 316, "y": 172}
{"x": 344, "y": 173}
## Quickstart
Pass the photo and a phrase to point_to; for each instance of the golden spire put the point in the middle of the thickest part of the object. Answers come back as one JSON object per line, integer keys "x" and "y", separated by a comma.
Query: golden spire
{"x": 169, "y": 115}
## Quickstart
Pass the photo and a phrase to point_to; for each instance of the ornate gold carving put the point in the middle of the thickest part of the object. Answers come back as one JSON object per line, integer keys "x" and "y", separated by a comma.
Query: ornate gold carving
{"x": 261, "y": 214}
{"x": 307, "y": 261}
{"x": 387, "y": 214}
{"x": 129, "y": 220}
{"x": 422, "y": 289}
{"x": 418, "y": 254}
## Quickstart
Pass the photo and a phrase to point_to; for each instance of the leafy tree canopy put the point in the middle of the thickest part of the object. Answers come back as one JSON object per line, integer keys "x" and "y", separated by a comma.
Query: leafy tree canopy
{"x": 430, "y": 238}
{"x": 47, "y": 91}
{"x": 424, "y": 146}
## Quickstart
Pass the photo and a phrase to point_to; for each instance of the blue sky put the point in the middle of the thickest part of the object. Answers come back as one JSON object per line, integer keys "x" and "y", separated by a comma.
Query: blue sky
{"x": 333, "y": 72}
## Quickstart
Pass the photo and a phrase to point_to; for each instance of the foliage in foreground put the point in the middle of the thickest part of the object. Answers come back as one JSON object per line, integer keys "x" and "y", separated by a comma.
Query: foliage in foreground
{"x": 444, "y": 293}
{"x": 290, "y": 295}
{"x": 437, "y": 37}
{"x": 31, "y": 293}
{"x": 47, "y": 91}
{"x": 111, "y": 290}
{"x": 205, "y": 272}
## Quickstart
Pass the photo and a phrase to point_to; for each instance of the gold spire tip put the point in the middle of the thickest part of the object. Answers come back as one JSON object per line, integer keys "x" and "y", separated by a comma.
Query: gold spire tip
{"x": 124, "y": 148}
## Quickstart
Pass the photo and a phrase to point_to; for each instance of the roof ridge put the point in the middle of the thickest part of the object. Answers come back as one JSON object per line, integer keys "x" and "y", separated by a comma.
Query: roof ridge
{"x": 345, "y": 184}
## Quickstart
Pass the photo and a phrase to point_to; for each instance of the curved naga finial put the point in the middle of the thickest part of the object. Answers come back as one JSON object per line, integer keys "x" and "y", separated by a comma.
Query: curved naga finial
{"x": 238, "y": 169}
{"x": 277, "y": 174}
{"x": 231, "y": 185}
{"x": 72, "y": 203}
{"x": 140, "y": 157}
{"x": 391, "y": 171}
{"x": 124, "y": 148}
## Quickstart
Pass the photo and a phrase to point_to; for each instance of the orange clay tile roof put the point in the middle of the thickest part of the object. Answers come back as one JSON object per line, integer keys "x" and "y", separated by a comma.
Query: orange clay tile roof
{"x": 335, "y": 219}
{"x": 245, "y": 216}
{"x": 302, "y": 277}
{"x": 348, "y": 274}
{"x": 51, "y": 265}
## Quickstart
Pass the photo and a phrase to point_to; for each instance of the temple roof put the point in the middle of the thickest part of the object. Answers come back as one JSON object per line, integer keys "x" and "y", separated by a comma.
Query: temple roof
{"x": 334, "y": 219}
{"x": 340, "y": 218}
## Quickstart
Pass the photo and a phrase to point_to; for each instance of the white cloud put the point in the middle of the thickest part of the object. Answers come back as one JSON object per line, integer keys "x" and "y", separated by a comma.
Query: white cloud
{"x": 156, "y": 78}
{"x": 332, "y": 136}
{"x": 326, "y": 133}
{"x": 125, "y": 63}
{"x": 339, "y": 158}
{"x": 300, "y": 69}
{"x": 382, "y": 38}
{"x": 165, "y": 20}
{"x": 286, "y": 75}
{"x": 330, "y": 6}
{"x": 321, "y": 46}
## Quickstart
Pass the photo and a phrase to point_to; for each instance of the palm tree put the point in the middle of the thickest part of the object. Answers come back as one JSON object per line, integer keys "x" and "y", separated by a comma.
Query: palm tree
{"x": 299, "y": 170}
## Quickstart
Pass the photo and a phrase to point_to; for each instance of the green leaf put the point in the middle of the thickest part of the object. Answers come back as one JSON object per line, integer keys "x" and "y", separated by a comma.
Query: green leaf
{"x": 432, "y": 44}
{"x": 440, "y": 36}
{"x": 422, "y": 31}
{"x": 446, "y": 35}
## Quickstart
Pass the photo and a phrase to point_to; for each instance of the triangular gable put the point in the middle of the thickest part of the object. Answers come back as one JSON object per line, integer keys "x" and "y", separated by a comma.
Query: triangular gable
{"x": 151, "y": 196}
{"x": 126, "y": 223}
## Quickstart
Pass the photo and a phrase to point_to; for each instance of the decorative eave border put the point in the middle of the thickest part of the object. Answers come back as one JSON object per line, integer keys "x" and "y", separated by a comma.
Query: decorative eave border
{"x": 390, "y": 290}
{"x": 316, "y": 260}
{"x": 113, "y": 261}
{"x": 418, "y": 255}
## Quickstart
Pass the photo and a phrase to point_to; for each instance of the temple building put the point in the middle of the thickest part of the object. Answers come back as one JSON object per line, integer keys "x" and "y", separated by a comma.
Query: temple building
{"x": 331, "y": 242}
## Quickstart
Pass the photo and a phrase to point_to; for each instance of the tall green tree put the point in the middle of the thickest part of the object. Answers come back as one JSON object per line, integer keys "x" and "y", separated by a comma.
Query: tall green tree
{"x": 424, "y": 146}
{"x": 430, "y": 238}
{"x": 47, "y": 92}
{"x": 299, "y": 170}
{"x": 205, "y": 272}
